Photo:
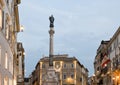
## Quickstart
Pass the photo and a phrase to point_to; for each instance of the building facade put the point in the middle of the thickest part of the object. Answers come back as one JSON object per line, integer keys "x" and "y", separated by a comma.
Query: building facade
{"x": 114, "y": 55}
{"x": 101, "y": 64}
{"x": 68, "y": 70}
{"x": 27, "y": 81}
{"x": 107, "y": 61}
{"x": 9, "y": 28}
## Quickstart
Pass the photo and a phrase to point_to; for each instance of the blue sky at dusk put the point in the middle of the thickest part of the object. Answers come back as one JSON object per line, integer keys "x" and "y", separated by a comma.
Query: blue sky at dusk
{"x": 80, "y": 25}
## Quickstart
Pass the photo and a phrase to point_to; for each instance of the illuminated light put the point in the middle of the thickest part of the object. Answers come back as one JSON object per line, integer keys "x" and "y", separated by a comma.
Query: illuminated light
{"x": 117, "y": 77}
{"x": 105, "y": 65}
{"x": 93, "y": 74}
{"x": 24, "y": 53}
{"x": 108, "y": 72}
{"x": 61, "y": 62}
{"x": 102, "y": 75}
{"x": 69, "y": 80}
{"x": 97, "y": 72}
{"x": 15, "y": 82}
{"x": 21, "y": 28}
{"x": 113, "y": 78}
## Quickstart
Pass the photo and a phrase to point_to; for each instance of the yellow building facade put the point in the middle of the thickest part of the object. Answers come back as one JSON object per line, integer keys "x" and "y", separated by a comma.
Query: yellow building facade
{"x": 68, "y": 70}
{"x": 107, "y": 62}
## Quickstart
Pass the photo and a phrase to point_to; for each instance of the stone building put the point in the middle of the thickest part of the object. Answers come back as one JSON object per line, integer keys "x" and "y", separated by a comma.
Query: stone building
{"x": 100, "y": 65}
{"x": 91, "y": 80}
{"x": 9, "y": 28}
{"x": 68, "y": 70}
{"x": 114, "y": 55}
{"x": 107, "y": 61}
{"x": 27, "y": 81}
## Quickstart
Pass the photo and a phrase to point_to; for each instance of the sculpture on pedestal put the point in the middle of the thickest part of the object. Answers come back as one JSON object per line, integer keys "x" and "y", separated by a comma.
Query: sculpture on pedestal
{"x": 51, "y": 18}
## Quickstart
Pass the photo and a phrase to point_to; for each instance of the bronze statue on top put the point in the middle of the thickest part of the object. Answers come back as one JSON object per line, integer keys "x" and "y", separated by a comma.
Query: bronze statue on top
{"x": 51, "y": 18}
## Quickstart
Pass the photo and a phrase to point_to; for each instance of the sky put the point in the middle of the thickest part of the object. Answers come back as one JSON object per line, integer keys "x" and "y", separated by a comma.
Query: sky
{"x": 80, "y": 26}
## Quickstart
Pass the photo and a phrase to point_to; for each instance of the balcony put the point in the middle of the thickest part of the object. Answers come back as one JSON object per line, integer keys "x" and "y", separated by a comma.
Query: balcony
{"x": 104, "y": 70}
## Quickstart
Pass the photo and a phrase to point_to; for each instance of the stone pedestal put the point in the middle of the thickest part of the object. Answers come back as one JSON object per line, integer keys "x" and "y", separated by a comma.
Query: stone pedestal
{"x": 51, "y": 78}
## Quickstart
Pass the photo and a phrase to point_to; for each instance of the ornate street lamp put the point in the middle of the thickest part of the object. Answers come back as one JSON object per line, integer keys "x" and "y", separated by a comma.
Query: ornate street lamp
{"x": 21, "y": 28}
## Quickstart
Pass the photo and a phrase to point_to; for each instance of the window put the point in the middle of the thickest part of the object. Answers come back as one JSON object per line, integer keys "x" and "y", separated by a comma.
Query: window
{"x": 98, "y": 68}
{"x": 7, "y": 26}
{"x": 1, "y": 19}
{"x": 6, "y": 60}
{"x": 7, "y": 31}
{"x": 43, "y": 65}
{"x": 112, "y": 46}
{"x": 72, "y": 75}
{"x": 110, "y": 49}
{"x": 113, "y": 62}
{"x": 80, "y": 79}
{"x": 64, "y": 76}
{"x": 10, "y": 66}
{"x": 0, "y": 54}
{"x": 17, "y": 56}
{"x": 7, "y": 1}
{"x": 64, "y": 65}
{"x": 72, "y": 65}
{"x": 116, "y": 43}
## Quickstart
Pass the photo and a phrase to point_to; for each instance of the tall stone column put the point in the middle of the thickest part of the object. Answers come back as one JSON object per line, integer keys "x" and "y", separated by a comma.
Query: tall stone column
{"x": 51, "y": 32}
{"x": 51, "y": 78}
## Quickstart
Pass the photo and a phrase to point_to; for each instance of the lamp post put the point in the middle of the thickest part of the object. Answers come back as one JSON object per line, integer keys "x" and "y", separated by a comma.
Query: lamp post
{"x": 21, "y": 28}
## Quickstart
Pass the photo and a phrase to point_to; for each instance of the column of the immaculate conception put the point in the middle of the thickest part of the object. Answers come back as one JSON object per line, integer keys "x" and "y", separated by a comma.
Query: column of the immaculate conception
{"x": 51, "y": 78}
{"x": 51, "y": 32}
